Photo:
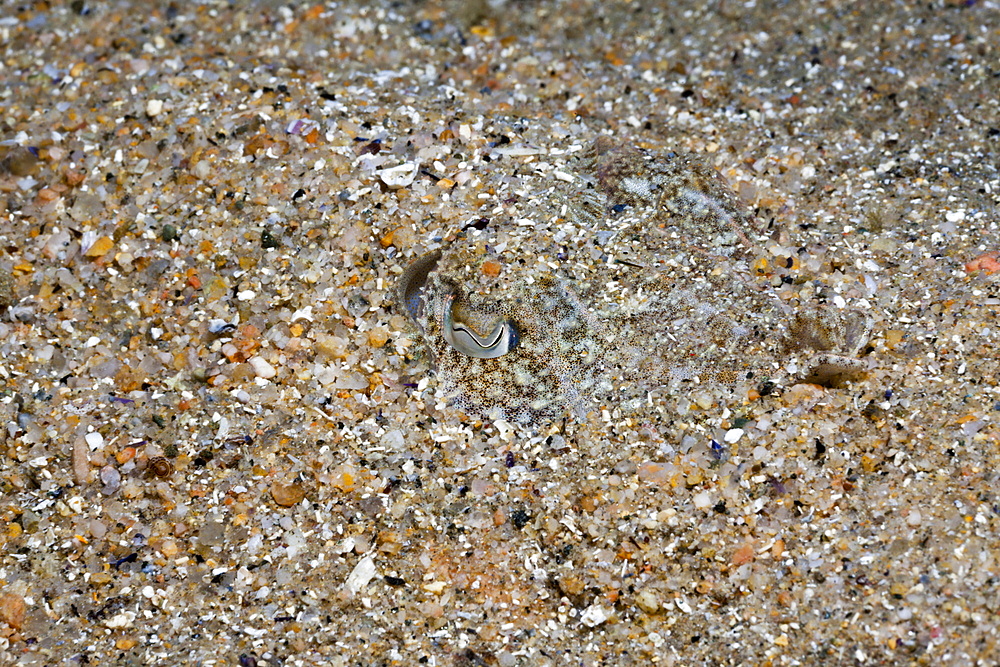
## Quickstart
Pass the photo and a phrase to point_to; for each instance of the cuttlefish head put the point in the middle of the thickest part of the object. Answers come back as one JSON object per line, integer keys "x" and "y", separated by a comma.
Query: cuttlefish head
{"x": 481, "y": 333}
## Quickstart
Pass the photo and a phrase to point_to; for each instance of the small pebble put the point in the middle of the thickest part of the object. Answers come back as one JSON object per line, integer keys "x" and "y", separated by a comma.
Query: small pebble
{"x": 987, "y": 263}
{"x": 344, "y": 477}
{"x": 7, "y": 295}
{"x": 648, "y": 601}
{"x": 111, "y": 479}
{"x": 100, "y": 578}
{"x": 169, "y": 548}
{"x": 12, "y": 609}
{"x": 100, "y": 247}
{"x": 261, "y": 368}
{"x": 98, "y": 528}
{"x": 81, "y": 460}
{"x": 267, "y": 240}
{"x": 287, "y": 494}
{"x": 802, "y": 395}
{"x": 743, "y": 554}
{"x": 702, "y": 500}
{"x": 219, "y": 326}
{"x": 169, "y": 233}
{"x": 491, "y": 268}
{"x": 120, "y": 621}
{"x": 378, "y": 336}
{"x": 17, "y": 161}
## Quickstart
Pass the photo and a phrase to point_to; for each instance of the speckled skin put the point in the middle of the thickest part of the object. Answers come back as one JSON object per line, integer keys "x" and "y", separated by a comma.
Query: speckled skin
{"x": 707, "y": 314}
{"x": 556, "y": 366}
{"x": 675, "y": 295}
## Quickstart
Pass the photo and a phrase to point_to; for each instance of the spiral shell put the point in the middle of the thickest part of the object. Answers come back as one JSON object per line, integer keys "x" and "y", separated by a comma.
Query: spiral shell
{"x": 160, "y": 466}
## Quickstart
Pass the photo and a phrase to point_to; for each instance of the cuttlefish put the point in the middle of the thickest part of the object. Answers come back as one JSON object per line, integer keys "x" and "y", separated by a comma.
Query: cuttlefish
{"x": 648, "y": 276}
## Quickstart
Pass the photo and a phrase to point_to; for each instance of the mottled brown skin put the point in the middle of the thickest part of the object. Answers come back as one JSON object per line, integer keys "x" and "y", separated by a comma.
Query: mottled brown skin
{"x": 631, "y": 178}
{"x": 546, "y": 376}
{"x": 717, "y": 322}
{"x": 673, "y": 303}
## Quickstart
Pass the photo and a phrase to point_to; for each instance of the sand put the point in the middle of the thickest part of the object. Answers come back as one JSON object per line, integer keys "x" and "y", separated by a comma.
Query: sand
{"x": 224, "y": 444}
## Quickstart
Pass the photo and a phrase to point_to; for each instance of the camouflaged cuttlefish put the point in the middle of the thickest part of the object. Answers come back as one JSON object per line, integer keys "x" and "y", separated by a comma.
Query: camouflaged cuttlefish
{"x": 647, "y": 276}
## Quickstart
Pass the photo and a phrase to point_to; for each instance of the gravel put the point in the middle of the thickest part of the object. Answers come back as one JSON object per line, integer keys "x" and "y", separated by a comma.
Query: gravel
{"x": 224, "y": 443}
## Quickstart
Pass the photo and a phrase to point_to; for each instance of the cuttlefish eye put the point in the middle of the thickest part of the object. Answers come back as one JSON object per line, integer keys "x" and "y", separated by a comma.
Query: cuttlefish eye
{"x": 469, "y": 342}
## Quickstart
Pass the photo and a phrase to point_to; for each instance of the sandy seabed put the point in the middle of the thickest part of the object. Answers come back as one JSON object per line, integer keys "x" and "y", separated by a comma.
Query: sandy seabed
{"x": 223, "y": 444}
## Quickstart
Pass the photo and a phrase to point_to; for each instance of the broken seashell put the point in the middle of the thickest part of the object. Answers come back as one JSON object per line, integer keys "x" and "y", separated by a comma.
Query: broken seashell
{"x": 399, "y": 176}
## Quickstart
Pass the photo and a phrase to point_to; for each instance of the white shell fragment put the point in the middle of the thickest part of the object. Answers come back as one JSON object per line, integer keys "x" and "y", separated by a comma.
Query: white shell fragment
{"x": 594, "y": 615}
{"x": 361, "y": 575}
{"x": 217, "y": 326}
{"x": 733, "y": 435}
{"x": 122, "y": 620}
{"x": 399, "y": 176}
